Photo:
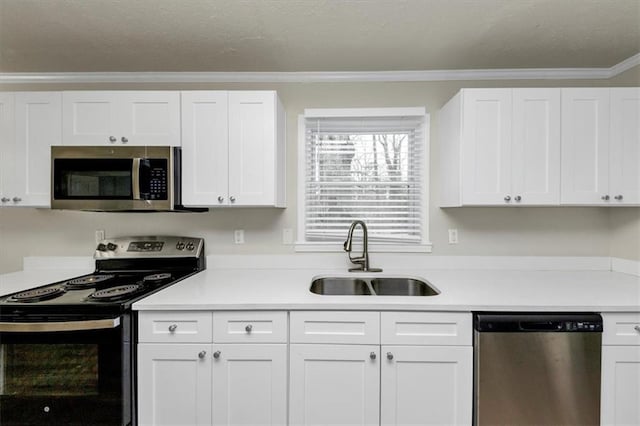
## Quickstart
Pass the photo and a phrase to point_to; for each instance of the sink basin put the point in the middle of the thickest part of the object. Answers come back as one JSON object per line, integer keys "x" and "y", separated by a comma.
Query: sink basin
{"x": 340, "y": 287}
{"x": 402, "y": 287}
{"x": 383, "y": 286}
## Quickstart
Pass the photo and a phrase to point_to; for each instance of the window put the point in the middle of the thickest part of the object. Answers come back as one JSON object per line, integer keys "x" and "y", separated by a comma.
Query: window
{"x": 367, "y": 164}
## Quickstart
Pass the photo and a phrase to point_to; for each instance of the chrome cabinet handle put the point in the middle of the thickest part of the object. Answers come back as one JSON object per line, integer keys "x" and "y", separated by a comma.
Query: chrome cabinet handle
{"x": 220, "y": 198}
{"x": 5, "y": 199}
{"x": 389, "y": 356}
{"x": 124, "y": 140}
{"x": 518, "y": 198}
{"x": 216, "y": 354}
{"x": 112, "y": 139}
{"x": 507, "y": 198}
{"x": 17, "y": 199}
{"x": 172, "y": 328}
{"x": 372, "y": 355}
{"x": 605, "y": 198}
{"x": 618, "y": 197}
{"x": 248, "y": 328}
{"x": 202, "y": 354}
{"x": 232, "y": 199}
{"x": 637, "y": 328}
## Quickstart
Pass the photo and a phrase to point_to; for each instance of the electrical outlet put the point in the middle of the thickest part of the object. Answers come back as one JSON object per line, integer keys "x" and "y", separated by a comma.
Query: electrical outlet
{"x": 287, "y": 236}
{"x": 238, "y": 236}
{"x": 99, "y": 235}
{"x": 453, "y": 236}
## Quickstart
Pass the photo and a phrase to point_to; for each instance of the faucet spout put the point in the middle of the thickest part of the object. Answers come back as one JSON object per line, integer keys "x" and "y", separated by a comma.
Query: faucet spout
{"x": 363, "y": 260}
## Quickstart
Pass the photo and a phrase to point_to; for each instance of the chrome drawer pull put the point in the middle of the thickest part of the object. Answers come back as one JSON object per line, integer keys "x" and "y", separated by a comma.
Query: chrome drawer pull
{"x": 172, "y": 328}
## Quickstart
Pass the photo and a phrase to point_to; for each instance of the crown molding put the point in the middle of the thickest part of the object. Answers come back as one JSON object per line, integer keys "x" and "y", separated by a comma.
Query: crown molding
{"x": 322, "y": 76}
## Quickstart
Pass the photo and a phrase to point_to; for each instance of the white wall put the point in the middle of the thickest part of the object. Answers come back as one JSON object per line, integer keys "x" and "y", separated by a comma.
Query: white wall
{"x": 482, "y": 231}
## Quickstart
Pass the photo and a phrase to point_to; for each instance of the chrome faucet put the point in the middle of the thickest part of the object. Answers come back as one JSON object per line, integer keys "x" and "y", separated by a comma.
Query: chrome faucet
{"x": 363, "y": 260}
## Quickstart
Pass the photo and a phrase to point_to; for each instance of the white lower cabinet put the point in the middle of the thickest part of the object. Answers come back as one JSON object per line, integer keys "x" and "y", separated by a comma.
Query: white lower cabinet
{"x": 620, "y": 385}
{"x": 426, "y": 385}
{"x": 250, "y": 384}
{"x": 408, "y": 368}
{"x": 174, "y": 384}
{"x": 334, "y": 384}
{"x": 620, "y": 395}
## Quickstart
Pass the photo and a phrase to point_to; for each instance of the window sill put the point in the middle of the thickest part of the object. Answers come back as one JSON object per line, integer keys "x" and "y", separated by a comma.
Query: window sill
{"x": 373, "y": 247}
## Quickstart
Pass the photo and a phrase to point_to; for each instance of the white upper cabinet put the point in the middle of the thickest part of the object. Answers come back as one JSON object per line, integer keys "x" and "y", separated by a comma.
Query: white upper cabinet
{"x": 7, "y": 146}
{"x": 501, "y": 147}
{"x": 486, "y": 145}
{"x": 121, "y": 117}
{"x": 37, "y": 126}
{"x": 233, "y": 149}
{"x": 585, "y": 146}
{"x": 624, "y": 147}
{"x": 205, "y": 148}
{"x": 535, "y": 149}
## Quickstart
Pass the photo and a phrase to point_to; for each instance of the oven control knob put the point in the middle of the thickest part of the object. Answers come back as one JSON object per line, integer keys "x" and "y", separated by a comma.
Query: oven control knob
{"x": 111, "y": 246}
{"x": 190, "y": 246}
{"x": 102, "y": 247}
{"x": 180, "y": 246}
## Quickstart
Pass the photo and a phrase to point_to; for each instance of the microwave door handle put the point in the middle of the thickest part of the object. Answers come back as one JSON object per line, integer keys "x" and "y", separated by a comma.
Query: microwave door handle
{"x": 135, "y": 178}
{"x": 39, "y": 327}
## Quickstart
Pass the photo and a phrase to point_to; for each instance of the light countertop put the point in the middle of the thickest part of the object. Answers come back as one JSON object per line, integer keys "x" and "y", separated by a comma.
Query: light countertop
{"x": 266, "y": 286}
{"x": 467, "y": 290}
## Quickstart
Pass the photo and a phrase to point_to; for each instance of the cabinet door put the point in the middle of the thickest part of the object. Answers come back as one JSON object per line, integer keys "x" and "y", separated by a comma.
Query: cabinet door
{"x": 486, "y": 146}
{"x": 252, "y": 148}
{"x": 585, "y": 146}
{"x": 334, "y": 385}
{"x": 90, "y": 118}
{"x": 426, "y": 385}
{"x": 149, "y": 118}
{"x": 38, "y": 126}
{"x": 536, "y": 147}
{"x": 624, "y": 153}
{"x": 205, "y": 148}
{"x": 7, "y": 146}
{"x": 620, "y": 385}
{"x": 250, "y": 384}
{"x": 174, "y": 384}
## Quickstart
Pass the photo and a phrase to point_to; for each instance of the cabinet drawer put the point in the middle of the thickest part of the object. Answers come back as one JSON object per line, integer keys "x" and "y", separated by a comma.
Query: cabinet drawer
{"x": 621, "y": 329}
{"x": 250, "y": 327}
{"x": 335, "y": 327}
{"x": 426, "y": 328}
{"x": 178, "y": 327}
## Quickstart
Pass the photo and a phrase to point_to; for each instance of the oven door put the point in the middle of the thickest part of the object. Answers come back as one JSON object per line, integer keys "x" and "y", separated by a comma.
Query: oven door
{"x": 118, "y": 178}
{"x": 66, "y": 373}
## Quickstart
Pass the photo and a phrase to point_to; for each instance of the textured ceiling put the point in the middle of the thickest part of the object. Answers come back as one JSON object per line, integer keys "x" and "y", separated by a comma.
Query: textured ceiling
{"x": 314, "y": 35}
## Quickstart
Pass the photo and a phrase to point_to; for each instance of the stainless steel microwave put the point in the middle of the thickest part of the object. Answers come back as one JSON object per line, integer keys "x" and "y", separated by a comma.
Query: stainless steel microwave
{"x": 115, "y": 178}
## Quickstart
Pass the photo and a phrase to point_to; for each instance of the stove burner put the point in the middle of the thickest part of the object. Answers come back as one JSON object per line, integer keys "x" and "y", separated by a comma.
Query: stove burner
{"x": 115, "y": 293}
{"x": 38, "y": 294}
{"x": 152, "y": 279}
{"x": 86, "y": 282}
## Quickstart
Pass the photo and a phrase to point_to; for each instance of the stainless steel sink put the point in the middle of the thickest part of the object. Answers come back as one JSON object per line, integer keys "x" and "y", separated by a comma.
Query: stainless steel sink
{"x": 337, "y": 286}
{"x": 402, "y": 287}
{"x": 383, "y": 286}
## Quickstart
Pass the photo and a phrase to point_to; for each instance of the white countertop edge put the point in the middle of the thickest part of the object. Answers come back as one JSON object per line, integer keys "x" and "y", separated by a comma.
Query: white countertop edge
{"x": 384, "y": 307}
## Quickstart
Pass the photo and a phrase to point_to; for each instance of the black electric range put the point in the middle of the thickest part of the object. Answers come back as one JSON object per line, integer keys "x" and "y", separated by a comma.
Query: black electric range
{"x": 67, "y": 349}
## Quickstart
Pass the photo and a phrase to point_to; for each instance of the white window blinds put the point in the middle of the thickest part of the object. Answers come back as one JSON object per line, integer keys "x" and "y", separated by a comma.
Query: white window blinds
{"x": 367, "y": 168}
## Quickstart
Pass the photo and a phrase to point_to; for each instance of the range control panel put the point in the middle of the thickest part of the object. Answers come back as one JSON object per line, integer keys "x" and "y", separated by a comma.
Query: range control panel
{"x": 149, "y": 247}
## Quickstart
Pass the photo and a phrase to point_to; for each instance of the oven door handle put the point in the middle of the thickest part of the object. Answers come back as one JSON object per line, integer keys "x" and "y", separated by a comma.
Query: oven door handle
{"x": 39, "y": 327}
{"x": 135, "y": 178}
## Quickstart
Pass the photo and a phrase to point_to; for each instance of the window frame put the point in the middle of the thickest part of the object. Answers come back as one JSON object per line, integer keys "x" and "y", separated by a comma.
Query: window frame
{"x": 301, "y": 245}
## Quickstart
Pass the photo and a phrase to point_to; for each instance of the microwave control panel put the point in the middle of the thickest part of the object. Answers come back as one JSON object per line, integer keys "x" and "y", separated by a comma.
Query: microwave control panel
{"x": 153, "y": 179}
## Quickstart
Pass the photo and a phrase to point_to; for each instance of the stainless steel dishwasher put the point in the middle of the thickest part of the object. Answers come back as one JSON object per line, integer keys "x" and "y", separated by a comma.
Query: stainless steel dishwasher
{"x": 537, "y": 369}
